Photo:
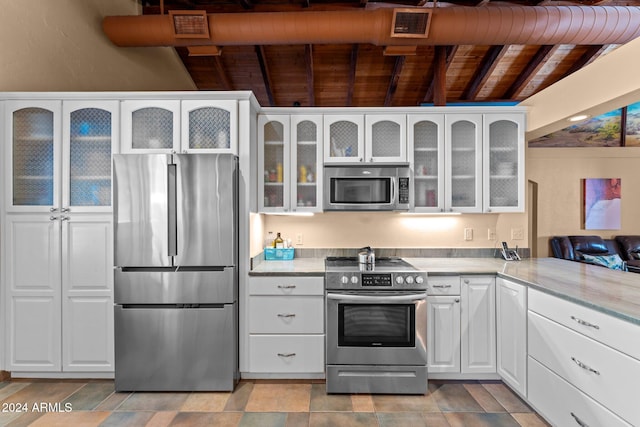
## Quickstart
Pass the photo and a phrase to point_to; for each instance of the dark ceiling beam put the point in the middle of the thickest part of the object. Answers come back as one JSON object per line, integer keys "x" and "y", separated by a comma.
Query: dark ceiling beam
{"x": 352, "y": 74}
{"x": 451, "y": 52}
{"x": 487, "y": 65}
{"x": 592, "y": 53}
{"x": 222, "y": 73}
{"x": 266, "y": 76}
{"x": 440, "y": 76}
{"x": 530, "y": 70}
{"x": 308, "y": 55}
{"x": 393, "y": 83}
{"x": 246, "y": 4}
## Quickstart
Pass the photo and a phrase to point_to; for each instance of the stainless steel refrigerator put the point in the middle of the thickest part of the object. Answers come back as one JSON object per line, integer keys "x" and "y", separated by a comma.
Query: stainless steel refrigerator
{"x": 176, "y": 275}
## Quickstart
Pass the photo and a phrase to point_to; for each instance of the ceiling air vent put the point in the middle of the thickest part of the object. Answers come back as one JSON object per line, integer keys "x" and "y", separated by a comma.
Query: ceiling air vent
{"x": 190, "y": 24}
{"x": 410, "y": 23}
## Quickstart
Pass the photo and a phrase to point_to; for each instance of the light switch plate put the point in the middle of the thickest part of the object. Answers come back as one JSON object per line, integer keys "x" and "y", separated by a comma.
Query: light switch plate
{"x": 468, "y": 234}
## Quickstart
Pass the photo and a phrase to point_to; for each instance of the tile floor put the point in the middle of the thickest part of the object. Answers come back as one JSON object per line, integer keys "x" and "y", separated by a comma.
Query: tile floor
{"x": 262, "y": 403}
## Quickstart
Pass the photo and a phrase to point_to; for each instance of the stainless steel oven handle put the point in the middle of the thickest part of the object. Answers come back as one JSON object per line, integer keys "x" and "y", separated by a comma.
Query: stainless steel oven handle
{"x": 377, "y": 299}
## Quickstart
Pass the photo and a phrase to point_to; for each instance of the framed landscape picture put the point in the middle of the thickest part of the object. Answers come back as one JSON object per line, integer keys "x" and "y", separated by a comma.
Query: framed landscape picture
{"x": 632, "y": 136}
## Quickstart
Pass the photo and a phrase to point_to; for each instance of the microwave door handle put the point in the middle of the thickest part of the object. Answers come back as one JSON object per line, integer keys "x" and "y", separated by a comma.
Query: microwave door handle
{"x": 394, "y": 182}
{"x": 377, "y": 299}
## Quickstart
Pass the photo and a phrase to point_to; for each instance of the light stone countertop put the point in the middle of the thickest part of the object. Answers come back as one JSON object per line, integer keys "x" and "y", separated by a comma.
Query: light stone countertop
{"x": 609, "y": 291}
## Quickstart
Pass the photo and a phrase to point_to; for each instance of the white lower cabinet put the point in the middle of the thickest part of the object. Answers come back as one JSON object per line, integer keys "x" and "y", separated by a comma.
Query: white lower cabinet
{"x": 286, "y": 326}
{"x": 511, "y": 320}
{"x": 461, "y": 337}
{"x": 563, "y": 404}
{"x": 60, "y": 293}
{"x": 601, "y": 371}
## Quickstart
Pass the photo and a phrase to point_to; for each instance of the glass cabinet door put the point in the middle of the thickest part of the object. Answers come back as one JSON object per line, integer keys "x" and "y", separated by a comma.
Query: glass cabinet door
{"x": 209, "y": 126}
{"x": 273, "y": 134}
{"x": 306, "y": 159}
{"x": 90, "y": 129}
{"x": 34, "y": 152}
{"x": 344, "y": 138}
{"x": 503, "y": 162}
{"x": 464, "y": 165}
{"x": 426, "y": 137}
{"x": 150, "y": 126}
{"x": 385, "y": 138}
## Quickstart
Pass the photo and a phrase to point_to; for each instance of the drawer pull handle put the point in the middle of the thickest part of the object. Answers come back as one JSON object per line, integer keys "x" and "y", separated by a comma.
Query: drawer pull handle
{"x": 286, "y": 286}
{"x": 579, "y": 421}
{"x": 286, "y": 354}
{"x": 287, "y": 315}
{"x": 585, "y": 367}
{"x": 442, "y": 286}
{"x": 585, "y": 323}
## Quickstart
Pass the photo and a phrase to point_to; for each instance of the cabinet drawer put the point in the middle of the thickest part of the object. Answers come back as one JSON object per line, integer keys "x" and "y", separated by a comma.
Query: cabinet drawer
{"x": 595, "y": 369}
{"x": 573, "y": 408}
{"x": 286, "y": 285}
{"x": 443, "y": 285}
{"x": 592, "y": 323}
{"x": 286, "y": 353}
{"x": 286, "y": 315}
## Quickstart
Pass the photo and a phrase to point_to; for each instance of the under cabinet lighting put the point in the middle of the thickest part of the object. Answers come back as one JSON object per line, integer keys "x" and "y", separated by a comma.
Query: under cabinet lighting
{"x": 289, "y": 213}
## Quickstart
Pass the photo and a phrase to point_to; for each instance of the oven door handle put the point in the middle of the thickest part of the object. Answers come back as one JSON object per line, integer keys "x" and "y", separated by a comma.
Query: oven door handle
{"x": 378, "y": 299}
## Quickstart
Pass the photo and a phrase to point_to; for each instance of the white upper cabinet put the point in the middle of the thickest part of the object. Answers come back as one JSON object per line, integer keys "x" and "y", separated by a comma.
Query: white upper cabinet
{"x": 209, "y": 126}
{"x": 306, "y": 163}
{"x": 273, "y": 162}
{"x": 344, "y": 138}
{"x": 150, "y": 126}
{"x": 425, "y": 143}
{"x": 463, "y": 163}
{"x": 365, "y": 138}
{"x": 503, "y": 163}
{"x": 290, "y": 161}
{"x": 385, "y": 138}
{"x": 59, "y": 154}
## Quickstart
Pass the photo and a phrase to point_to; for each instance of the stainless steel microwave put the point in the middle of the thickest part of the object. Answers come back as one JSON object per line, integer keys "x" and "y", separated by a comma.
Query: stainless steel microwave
{"x": 359, "y": 187}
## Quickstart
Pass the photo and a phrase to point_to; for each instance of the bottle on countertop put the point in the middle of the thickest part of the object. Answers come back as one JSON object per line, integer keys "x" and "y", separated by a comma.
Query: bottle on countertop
{"x": 278, "y": 242}
{"x": 268, "y": 241}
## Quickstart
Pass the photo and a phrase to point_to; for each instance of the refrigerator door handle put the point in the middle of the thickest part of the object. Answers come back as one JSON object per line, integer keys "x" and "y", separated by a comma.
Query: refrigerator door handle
{"x": 172, "y": 210}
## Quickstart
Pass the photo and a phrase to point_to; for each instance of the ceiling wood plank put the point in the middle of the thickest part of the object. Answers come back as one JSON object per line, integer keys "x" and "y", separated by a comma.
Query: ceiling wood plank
{"x": 589, "y": 56}
{"x": 308, "y": 54}
{"x": 488, "y": 64}
{"x": 266, "y": 77}
{"x": 530, "y": 70}
{"x": 352, "y": 74}
{"x": 222, "y": 73}
{"x": 451, "y": 52}
{"x": 440, "y": 76}
{"x": 393, "y": 83}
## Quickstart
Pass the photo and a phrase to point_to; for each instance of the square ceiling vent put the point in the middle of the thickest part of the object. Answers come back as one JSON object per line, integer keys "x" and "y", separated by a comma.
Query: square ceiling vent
{"x": 413, "y": 23}
{"x": 190, "y": 24}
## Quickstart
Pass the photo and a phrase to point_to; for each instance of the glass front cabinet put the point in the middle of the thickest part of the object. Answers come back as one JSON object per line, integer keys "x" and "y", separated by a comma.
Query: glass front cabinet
{"x": 426, "y": 143}
{"x": 209, "y": 126}
{"x": 289, "y": 155}
{"x": 463, "y": 163}
{"x": 150, "y": 126}
{"x": 503, "y": 163}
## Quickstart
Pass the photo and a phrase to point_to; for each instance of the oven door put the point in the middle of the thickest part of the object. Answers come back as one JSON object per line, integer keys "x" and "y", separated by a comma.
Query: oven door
{"x": 376, "y": 328}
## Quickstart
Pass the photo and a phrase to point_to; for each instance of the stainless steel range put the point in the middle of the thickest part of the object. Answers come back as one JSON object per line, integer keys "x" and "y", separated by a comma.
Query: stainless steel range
{"x": 376, "y": 318}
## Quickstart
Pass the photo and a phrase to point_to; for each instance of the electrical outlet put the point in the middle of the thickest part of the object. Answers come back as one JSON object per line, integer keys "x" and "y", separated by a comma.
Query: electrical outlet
{"x": 517, "y": 234}
{"x": 491, "y": 234}
{"x": 299, "y": 240}
{"x": 468, "y": 234}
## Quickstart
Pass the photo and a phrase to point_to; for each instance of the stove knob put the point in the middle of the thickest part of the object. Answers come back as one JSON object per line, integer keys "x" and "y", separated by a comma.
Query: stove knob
{"x": 354, "y": 279}
{"x": 419, "y": 280}
{"x": 344, "y": 280}
{"x": 399, "y": 280}
{"x": 409, "y": 280}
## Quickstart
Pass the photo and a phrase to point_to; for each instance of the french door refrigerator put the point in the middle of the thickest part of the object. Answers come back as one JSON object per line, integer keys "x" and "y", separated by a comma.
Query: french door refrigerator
{"x": 176, "y": 275}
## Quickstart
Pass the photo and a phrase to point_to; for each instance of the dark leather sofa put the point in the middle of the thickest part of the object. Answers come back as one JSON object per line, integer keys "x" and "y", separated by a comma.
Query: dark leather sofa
{"x": 575, "y": 247}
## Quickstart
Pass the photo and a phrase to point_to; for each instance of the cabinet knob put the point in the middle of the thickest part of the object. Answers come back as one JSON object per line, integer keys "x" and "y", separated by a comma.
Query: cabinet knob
{"x": 65, "y": 210}
{"x": 53, "y": 210}
{"x": 457, "y": 300}
{"x": 53, "y": 218}
{"x": 64, "y": 218}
